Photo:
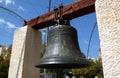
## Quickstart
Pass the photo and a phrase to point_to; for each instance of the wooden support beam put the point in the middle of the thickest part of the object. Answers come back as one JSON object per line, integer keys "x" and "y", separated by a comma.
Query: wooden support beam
{"x": 70, "y": 11}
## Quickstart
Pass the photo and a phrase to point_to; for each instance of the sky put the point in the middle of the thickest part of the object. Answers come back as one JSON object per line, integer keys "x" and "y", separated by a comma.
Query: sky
{"x": 28, "y": 9}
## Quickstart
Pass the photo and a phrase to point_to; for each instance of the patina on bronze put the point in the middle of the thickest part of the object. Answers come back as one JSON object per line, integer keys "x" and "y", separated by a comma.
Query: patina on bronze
{"x": 62, "y": 50}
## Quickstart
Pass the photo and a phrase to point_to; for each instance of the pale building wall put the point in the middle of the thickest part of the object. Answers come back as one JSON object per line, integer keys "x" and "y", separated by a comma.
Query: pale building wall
{"x": 108, "y": 18}
{"x": 0, "y": 51}
{"x": 3, "y": 50}
{"x": 25, "y": 53}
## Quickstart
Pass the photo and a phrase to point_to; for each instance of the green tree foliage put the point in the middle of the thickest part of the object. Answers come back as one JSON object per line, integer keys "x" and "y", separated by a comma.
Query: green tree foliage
{"x": 3, "y": 68}
{"x": 9, "y": 53}
{"x": 90, "y": 72}
{"x": 4, "y": 64}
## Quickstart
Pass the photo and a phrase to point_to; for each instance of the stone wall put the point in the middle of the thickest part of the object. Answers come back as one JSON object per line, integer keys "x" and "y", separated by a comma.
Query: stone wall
{"x": 108, "y": 18}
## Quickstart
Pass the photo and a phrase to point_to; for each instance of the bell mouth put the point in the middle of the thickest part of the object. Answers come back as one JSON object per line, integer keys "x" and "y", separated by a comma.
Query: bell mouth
{"x": 63, "y": 63}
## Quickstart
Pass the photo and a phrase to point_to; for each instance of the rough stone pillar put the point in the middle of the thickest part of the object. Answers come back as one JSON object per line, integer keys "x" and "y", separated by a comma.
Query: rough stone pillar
{"x": 108, "y": 18}
{"x": 25, "y": 53}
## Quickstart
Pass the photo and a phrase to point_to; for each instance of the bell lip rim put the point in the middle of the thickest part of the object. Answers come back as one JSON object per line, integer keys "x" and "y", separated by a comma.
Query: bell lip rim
{"x": 61, "y": 63}
{"x": 63, "y": 66}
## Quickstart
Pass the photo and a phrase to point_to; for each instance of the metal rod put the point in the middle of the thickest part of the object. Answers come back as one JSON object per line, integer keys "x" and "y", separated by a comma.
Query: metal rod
{"x": 49, "y": 7}
{"x": 91, "y": 34}
{"x": 13, "y": 13}
{"x": 47, "y": 29}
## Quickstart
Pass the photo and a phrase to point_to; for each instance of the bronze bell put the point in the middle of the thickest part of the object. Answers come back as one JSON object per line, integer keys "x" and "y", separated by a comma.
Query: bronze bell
{"x": 62, "y": 50}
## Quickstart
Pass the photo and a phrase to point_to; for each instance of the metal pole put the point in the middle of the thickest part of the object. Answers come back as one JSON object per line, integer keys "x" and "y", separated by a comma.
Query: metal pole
{"x": 47, "y": 29}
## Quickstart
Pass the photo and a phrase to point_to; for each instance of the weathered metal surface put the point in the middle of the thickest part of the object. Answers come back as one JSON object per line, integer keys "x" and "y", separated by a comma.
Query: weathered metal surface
{"x": 70, "y": 11}
{"x": 62, "y": 50}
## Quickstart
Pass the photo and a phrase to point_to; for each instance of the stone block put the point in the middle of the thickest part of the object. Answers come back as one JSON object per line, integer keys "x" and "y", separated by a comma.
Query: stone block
{"x": 25, "y": 53}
